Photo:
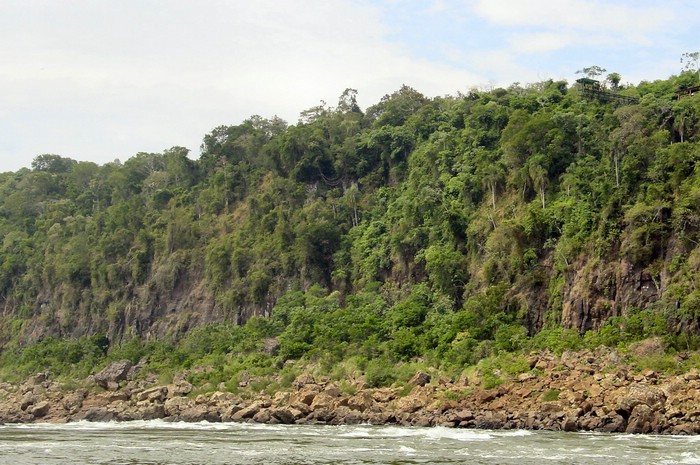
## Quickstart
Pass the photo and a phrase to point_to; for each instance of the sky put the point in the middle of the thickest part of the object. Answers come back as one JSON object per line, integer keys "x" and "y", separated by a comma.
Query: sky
{"x": 100, "y": 80}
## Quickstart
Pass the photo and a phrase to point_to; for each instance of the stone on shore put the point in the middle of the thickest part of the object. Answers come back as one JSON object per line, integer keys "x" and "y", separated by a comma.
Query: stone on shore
{"x": 110, "y": 377}
{"x": 590, "y": 390}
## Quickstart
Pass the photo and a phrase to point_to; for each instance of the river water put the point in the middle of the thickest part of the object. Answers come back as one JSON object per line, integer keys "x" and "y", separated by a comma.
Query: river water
{"x": 161, "y": 443}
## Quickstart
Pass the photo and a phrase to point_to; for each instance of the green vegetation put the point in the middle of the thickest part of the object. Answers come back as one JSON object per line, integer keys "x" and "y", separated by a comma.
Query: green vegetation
{"x": 550, "y": 396}
{"x": 421, "y": 232}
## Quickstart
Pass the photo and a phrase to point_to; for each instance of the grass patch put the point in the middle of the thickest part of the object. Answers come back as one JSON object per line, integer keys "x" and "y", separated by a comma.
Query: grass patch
{"x": 551, "y": 395}
{"x": 661, "y": 363}
{"x": 494, "y": 371}
{"x": 456, "y": 395}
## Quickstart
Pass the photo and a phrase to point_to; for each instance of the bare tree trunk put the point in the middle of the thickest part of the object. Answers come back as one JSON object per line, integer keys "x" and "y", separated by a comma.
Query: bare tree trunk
{"x": 542, "y": 197}
{"x": 355, "y": 220}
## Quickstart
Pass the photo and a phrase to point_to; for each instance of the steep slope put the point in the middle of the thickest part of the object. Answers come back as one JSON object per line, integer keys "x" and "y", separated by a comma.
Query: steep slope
{"x": 420, "y": 224}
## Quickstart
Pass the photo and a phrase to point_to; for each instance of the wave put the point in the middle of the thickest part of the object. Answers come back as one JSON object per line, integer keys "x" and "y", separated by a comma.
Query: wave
{"x": 84, "y": 425}
{"x": 434, "y": 434}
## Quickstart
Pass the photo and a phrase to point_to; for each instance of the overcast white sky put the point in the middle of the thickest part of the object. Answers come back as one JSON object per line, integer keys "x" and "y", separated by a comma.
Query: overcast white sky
{"x": 99, "y": 80}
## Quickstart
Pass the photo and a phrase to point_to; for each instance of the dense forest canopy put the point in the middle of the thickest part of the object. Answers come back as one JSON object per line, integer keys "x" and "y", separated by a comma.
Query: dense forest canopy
{"x": 451, "y": 226}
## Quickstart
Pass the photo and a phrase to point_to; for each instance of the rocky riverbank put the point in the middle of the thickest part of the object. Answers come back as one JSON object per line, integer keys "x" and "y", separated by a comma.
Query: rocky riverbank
{"x": 592, "y": 391}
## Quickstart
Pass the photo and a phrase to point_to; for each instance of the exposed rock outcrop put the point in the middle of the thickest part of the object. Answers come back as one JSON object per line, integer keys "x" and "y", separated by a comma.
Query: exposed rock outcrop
{"x": 576, "y": 391}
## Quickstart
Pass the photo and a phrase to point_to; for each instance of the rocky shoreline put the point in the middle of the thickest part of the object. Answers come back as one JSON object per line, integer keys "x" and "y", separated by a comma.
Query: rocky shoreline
{"x": 585, "y": 391}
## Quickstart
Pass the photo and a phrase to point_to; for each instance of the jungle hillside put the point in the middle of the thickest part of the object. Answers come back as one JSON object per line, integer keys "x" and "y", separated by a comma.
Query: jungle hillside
{"x": 438, "y": 230}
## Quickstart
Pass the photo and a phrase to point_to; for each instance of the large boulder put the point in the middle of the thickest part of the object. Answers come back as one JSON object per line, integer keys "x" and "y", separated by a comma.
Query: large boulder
{"x": 306, "y": 394}
{"x": 285, "y": 416}
{"x": 324, "y": 400}
{"x": 247, "y": 412}
{"x": 640, "y": 394}
{"x": 39, "y": 409}
{"x": 412, "y": 403}
{"x": 179, "y": 388}
{"x": 73, "y": 401}
{"x": 642, "y": 420}
{"x": 156, "y": 394}
{"x": 175, "y": 406}
{"x": 302, "y": 380}
{"x": 96, "y": 414}
{"x": 361, "y": 401}
{"x": 420, "y": 379}
{"x": 110, "y": 377}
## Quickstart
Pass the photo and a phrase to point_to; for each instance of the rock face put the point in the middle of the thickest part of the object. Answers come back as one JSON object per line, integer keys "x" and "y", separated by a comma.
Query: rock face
{"x": 582, "y": 391}
{"x": 597, "y": 290}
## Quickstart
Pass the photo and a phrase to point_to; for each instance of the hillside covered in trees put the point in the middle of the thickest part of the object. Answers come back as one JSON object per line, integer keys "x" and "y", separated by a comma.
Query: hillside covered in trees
{"x": 449, "y": 228}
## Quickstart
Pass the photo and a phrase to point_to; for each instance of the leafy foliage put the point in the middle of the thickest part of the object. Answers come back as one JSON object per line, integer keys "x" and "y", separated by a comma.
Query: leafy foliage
{"x": 448, "y": 229}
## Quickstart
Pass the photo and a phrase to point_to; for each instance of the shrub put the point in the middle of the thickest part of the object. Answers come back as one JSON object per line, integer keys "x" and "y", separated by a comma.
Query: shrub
{"x": 379, "y": 373}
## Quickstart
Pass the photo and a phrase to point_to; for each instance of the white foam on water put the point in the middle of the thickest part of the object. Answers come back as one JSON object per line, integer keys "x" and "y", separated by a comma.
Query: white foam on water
{"x": 694, "y": 458}
{"x": 91, "y": 425}
{"x": 433, "y": 434}
{"x": 689, "y": 458}
{"x": 441, "y": 432}
{"x": 155, "y": 425}
{"x": 360, "y": 432}
{"x": 513, "y": 433}
{"x": 407, "y": 450}
{"x": 686, "y": 438}
{"x": 372, "y": 432}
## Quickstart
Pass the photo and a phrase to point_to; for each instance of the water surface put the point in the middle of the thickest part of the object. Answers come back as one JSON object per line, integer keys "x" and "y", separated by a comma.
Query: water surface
{"x": 161, "y": 443}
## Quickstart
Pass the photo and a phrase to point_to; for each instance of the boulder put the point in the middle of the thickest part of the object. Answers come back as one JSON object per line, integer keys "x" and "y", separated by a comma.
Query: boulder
{"x": 346, "y": 416}
{"x": 303, "y": 380}
{"x": 323, "y": 400}
{"x": 643, "y": 420}
{"x": 271, "y": 345}
{"x": 613, "y": 423}
{"x": 420, "y": 379}
{"x": 263, "y": 416}
{"x": 640, "y": 394}
{"x": 179, "y": 388}
{"x": 114, "y": 373}
{"x": 411, "y": 403}
{"x": 175, "y": 406}
{"x": 307, "y": 394}
{"x": 199, "y": 413}
{"x": 150, "y": 412}
{"x": 458, "y": 416}
{"x": 246, "y": 413}
{"x": 111, "y": 396}
{"x": 284, "y": 415}
{"x": 379, "y": 418}
{"x": 361, "y": 401}
{"x": 39, "y": 378}
{"x": 72, "y": 401}
{"x": 490, "y": 420}
{"x": 383, "y": 395}
{"x": 97, "y": 414}
{"x": 227, "y": 413}
{"x": 39, "y": 409}
{"x": 333, "y": 390}
{"x": 27, "y": 401}
{"x": 155, "y": 394}
{"x": 319, "y": 416}
{"x": 483, "y": 397}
